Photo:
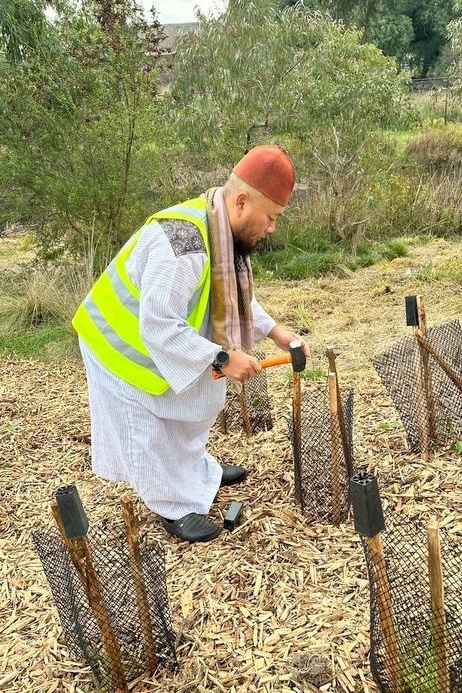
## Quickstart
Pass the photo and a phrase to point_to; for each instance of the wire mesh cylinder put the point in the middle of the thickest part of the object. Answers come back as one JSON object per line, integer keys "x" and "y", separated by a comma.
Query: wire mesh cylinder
{"x": 412, "y": 665}
{"x": 247, "y": 406}
{"x": 111, "y": 560}
{"x": 322, "y": 467}
{"x": 420, "y": 400}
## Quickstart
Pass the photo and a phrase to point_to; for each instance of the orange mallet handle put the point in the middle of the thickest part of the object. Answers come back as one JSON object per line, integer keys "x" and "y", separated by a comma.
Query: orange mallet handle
{"x": 271, "y": 361}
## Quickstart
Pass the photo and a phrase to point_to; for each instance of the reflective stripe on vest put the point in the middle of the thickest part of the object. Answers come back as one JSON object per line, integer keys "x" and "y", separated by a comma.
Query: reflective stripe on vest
{"x": 108, "y": 318}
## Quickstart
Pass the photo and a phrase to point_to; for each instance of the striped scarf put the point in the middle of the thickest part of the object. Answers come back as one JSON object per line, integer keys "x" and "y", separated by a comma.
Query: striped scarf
{"x": 231, "y": 290}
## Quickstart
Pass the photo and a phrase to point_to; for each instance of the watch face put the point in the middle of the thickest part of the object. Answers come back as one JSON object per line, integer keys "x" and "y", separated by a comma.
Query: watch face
{"x": 222, "y": 358}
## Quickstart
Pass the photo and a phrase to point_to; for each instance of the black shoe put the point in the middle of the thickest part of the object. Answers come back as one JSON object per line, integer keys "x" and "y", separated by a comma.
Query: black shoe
{"x": 192, "y": 527}
{"x": 232, "y": 474}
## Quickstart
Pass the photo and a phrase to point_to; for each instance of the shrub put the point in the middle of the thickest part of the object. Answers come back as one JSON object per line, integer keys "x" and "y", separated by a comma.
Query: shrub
{"x": 436, "y": 149}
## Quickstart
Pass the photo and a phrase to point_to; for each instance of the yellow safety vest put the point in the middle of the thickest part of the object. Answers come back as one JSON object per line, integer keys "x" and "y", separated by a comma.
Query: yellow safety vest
{"x": 108, "y": 318}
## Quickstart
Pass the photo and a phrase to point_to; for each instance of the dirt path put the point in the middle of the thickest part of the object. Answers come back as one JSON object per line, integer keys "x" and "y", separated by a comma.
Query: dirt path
{"x": 252, "y": 608}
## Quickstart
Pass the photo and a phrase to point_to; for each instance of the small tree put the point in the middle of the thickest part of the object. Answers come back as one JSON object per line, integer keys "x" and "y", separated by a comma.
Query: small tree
{"x": 288, "y": 72}
{"x": 80, "y": 119}
{"x": 295, "y": 77}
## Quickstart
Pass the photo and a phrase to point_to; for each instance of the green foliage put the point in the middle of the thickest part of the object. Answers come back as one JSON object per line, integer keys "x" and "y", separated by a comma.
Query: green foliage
{"x": 413, "y": 31}
{"x": 80, "y": 121}
{"x": 455, "y": 35}
{"x": 420, "y": 666}
{"x": 429, "y": 19}
{"x": 22, "y": 27}
{"x": 289, "y": 76}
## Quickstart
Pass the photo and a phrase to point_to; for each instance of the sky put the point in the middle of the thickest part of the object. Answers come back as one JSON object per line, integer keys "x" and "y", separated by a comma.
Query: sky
{"x": 179, "y": 11}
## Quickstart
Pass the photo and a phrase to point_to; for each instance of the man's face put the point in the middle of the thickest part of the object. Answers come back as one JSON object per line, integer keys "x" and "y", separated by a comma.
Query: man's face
{"x": 257, "y": 217}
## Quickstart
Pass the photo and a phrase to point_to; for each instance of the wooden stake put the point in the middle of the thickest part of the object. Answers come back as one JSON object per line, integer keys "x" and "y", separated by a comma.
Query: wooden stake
{"x": 79, "y": 552}
{"x": 341, "y": 415}
{"x": 244, "y": 410}
{"x": 425, "y": 402}
{"x": 452, "y": 375}
{"x": 385, "y": 612}
{"x": 335, "y": 448}
{"x": 297, "y": 420}
{"x": 131, "y": 528}
{"x": 221, "y": 421}
{"x": 435, "y": 575}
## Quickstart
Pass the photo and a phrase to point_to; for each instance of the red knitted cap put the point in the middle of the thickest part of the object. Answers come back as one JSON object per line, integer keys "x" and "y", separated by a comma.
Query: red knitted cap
{"x": 269, "y": 169}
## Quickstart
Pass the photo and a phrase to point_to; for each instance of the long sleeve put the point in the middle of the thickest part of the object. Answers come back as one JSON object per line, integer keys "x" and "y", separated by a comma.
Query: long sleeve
{"x": 262, "y": 322}
{"x": 167, "y": 284}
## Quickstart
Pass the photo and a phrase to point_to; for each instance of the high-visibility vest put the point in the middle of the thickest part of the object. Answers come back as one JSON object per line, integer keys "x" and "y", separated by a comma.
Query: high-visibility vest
{"x": 108, "y": 318}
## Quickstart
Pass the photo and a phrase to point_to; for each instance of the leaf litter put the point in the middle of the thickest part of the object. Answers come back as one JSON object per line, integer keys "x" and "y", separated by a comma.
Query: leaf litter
{"x": 277, "y": 605}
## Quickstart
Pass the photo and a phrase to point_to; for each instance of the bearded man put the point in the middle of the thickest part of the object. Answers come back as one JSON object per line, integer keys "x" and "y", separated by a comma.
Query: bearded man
{"x": 176, "y": 302}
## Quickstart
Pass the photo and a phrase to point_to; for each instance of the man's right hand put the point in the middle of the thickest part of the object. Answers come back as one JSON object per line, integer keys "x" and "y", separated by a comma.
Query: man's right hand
{"x": 241, "y": 366}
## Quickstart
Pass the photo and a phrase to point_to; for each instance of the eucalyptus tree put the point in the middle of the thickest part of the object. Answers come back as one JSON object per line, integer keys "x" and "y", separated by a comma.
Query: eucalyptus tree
{"x": 414, "y": 31}
{"x": 22, "y": 25}
{"x": 80, "y": 120}
{"x": 285, "y": 71}
{"x": 290, "y": 76}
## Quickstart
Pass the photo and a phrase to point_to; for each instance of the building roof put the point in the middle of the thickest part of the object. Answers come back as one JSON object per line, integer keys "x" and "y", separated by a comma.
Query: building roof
{"x": 172, "y": 31}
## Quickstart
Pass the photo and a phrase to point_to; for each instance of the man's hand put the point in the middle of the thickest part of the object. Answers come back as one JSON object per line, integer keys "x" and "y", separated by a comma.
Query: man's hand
{"x": 282, "y": 338}
{"x": 241, "y": 366}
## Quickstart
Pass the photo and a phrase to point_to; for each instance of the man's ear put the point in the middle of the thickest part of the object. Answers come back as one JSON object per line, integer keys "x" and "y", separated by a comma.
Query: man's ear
{"x": 241, "y": 201}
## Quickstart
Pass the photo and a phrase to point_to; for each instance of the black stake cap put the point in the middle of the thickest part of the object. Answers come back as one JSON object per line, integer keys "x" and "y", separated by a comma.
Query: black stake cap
{"x": 70, "y": 507}
{"x": 367, "y": 506}
{"x": 412, "y": 313}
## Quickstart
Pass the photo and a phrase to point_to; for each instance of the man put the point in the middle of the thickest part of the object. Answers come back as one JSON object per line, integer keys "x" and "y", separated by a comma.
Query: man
{"x": 175, "y": 303}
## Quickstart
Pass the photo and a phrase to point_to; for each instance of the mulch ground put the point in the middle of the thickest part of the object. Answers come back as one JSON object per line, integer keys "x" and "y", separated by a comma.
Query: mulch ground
{"x": 280, "y": 604}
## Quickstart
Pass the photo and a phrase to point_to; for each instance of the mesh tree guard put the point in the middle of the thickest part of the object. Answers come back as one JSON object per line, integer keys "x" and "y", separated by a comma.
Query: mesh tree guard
{"x": 121, "y": 597}
{"x": 429, "y": 408}
{"x": 416, "y": 645}
{"x": 247, "y": 405}
{"x": 322, "y": 465}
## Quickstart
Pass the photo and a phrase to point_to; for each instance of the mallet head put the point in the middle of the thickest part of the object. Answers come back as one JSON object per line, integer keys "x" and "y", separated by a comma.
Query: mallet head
{"x": 298, "y": 356}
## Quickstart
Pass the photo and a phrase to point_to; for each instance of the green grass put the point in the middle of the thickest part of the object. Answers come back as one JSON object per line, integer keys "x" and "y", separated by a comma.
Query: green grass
{"x": 46, "y": 342}
{"x": 296, "y": 263}
{"x": 314, "y": 374}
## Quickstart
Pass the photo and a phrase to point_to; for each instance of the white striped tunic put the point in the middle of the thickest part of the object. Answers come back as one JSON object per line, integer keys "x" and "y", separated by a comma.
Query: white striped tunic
{"x": 157, "y": 443}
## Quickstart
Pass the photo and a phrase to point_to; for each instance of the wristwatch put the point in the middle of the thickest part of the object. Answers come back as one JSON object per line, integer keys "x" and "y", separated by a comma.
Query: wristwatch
{"x": 220, "y": 360}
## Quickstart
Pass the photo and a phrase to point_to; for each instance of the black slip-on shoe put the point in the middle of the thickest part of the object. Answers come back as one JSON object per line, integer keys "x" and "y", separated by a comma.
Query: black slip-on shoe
{"x": 192, "y": 527}
{"x": 232, "y": 474}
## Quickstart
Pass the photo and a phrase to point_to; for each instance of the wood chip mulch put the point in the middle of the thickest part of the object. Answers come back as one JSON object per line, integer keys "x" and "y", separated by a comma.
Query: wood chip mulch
{"x": 278, "y": 605}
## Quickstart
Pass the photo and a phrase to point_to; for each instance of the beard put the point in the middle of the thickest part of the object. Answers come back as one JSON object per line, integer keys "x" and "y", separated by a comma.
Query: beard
{"x": 244, "y": 248}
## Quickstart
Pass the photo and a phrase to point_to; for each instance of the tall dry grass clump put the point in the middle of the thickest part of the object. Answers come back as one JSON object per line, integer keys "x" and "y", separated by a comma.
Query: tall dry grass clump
{"x": 436, "y": 149}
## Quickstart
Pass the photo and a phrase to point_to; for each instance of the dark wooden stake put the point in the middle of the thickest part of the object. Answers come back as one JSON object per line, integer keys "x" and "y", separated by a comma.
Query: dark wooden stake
{"x": 80, "y": 554}
{"x": 384, "y": 606}
{"x": 426, "y": 369}
{"x": 369, "y": 522}
{"x": 424, "y": 395}
{"x": 330, "y": 353}
{"x": 435, "y": 575}
{"x": 297, "y": 421}
{"x": 131, "y": 528}
{"x": 336, "y": 445}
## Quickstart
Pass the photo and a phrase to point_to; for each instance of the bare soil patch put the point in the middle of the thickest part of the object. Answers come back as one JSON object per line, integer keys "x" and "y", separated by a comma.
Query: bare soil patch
{"x": 278, "y": 605}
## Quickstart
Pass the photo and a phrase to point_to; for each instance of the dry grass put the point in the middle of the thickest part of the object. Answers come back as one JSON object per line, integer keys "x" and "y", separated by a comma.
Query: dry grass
{"x": 277, "y": 605}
